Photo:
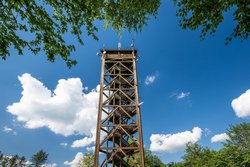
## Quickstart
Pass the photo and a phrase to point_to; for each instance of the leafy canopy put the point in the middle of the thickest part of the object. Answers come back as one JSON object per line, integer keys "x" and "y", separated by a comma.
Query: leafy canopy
{"x": 150, "y": 160}
{"x": 39, "y": 158}
{"x": 208, "y": 14}
{"x": 42, "y": 24}
{"x": 12, "y": 161}
{"x": 47, "y": 21}
{"x": 86, "y": 161}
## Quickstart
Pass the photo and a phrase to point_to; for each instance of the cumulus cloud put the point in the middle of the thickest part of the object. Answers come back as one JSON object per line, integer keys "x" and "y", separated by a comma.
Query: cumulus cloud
{"x": 85, "y": 141}
{"x": 88, "y": 140}
{"x": 66, "y": 110}
{"x": 241, "y": 105}
{"x": 91, "y": 149}
{"x": 219, "y": 138}
{"x": 182, "y": 95}
{"x": 74, "y": 162}
{"x": 174, "y": 142}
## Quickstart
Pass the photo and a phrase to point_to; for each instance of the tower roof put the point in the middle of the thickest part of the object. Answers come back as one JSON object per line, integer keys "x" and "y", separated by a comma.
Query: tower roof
{"x": 119, "y": 51}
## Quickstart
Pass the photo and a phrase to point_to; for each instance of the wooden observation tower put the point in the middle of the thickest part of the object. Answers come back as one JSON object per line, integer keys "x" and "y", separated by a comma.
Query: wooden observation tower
{"x": 119, "y": 131}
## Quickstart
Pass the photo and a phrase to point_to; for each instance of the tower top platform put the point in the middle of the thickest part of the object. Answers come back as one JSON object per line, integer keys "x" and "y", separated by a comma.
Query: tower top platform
{"x": 119, "y": 53}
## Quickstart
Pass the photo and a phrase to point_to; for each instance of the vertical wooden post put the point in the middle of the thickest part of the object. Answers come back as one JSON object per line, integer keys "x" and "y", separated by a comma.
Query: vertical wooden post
{"x": 99, "y": 116}
{"x": 141, "y": 147}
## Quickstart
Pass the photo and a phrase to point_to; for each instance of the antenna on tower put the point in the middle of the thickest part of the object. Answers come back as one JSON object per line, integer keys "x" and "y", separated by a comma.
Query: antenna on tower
{"x": 119, "y": 45}
{"x": 132, "y": 44}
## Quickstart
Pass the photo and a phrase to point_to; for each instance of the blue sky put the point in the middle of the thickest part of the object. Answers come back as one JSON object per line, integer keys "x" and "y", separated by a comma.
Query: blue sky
{"x": 190, "y": 83}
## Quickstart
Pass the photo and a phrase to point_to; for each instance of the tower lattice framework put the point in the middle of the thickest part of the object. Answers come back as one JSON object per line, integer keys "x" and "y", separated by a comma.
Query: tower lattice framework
{"x": 119, "y": 131}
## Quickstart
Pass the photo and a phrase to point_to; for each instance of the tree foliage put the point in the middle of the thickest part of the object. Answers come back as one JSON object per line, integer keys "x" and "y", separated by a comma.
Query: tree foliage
{"x": 197, "y": 156}
{"x": 239, "y": 136}
{"x": 87, "y": 161}
{"x": 208, "y": 14}
{"x": 12, "y": 161}
{"x": 42, "y": 24}
{"x": 236, "y": 151}
{"x": 150, "y": 160}
{"x": 39, "y": 158}
{"x": 47, "y": 21}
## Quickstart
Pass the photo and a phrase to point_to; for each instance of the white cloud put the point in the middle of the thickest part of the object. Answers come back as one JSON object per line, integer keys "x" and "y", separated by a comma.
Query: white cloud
{"x": 174, "y": 142}
{"x": 207, "y": 131}
{"x": 74, "y": 162}
{"x": 182, "y": 95}
{"x": 6, "y": 129}
{"x": 85, "y": 141}
{"x": 49, "y": 165}
{"x": 64, "y": 144}
{"x": 91, "y": 149}
{"x": 150, "y": 79}
{"x": 220, "y": 138}
{"x": 241, "y": 105}
{"x": 88, "y": 140}
{"x": 66, "y": 110}
{"x": 28, "y": 163}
